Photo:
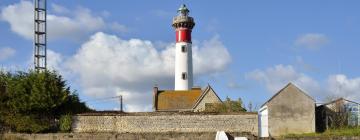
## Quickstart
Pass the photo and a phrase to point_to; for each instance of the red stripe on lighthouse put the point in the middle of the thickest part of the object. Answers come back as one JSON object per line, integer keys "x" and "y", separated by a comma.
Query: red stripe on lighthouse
{"x": 183, "y": 35}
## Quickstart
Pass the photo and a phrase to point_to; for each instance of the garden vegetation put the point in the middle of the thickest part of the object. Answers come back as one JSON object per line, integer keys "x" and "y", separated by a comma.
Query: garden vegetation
{"x": 226, "y": 106}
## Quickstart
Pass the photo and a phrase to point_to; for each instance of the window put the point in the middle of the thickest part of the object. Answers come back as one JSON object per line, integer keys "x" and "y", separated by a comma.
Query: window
{"x": 355, "y": 109}
{"x": 183, "y": 48}
{"x": 184, "y": 76}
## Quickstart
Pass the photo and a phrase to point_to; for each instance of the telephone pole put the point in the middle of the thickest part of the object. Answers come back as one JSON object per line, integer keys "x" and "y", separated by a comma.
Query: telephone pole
{"x": 121, "y": 103}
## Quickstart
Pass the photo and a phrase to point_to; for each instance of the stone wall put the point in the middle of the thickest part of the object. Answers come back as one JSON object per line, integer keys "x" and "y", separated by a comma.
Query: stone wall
{"x": 151, "y": 136}
{"x": 166, "y": 123}
{"x": 120, "y": 136}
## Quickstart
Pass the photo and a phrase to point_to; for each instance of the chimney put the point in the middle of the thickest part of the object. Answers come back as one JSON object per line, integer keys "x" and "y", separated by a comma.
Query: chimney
{"x": 155, "y": 97}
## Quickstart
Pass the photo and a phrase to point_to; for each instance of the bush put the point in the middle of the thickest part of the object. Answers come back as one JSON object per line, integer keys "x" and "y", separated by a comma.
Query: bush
{"x": 65, "y": 123}
{"x": 226, "y": 106}
{"x": 27, "y": 123}
{"x": 32, "y": 101}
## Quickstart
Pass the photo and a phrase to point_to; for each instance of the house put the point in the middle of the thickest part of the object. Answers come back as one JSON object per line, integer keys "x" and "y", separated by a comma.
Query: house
{"x": 336, "y": 113}
{"x": 289, "y": 111}
{"x": 194, "y": 100}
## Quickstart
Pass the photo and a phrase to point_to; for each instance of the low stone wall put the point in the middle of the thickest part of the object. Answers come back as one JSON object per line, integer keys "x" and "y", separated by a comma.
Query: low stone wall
{"x": 149, "y": 136}
{"x": 119, "y": 136}
{"x": 145, "y": 123}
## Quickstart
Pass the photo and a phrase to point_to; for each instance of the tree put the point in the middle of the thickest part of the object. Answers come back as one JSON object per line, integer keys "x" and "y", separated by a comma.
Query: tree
{"x": 3, "y": 97}
{"x": 34, "y": 101}
{"x": 250, "y": 107}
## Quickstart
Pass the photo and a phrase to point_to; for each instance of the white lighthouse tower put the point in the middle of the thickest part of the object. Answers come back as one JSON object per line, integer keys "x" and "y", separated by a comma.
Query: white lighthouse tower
{"x": 183, "y": 25}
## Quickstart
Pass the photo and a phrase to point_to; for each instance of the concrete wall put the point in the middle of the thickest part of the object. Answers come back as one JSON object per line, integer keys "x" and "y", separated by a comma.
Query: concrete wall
{"x": 166, "y": 123}
{"x": 291, "y": 111}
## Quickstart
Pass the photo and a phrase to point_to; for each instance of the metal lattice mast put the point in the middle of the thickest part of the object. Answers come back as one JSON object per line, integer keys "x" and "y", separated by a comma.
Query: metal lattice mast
{"x": 40, "y": 35}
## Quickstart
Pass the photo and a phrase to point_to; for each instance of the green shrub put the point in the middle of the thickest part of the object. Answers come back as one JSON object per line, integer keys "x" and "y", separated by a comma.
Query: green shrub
{"x": 65, "y": 123}
{"x": 226, "y": 106}
{"x": 28, "y": 123}
{"x": 32, "y": 101}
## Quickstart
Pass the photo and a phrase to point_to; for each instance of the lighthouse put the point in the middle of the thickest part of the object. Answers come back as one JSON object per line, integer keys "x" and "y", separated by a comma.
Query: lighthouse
{"x": 183, "y": 25}
{"x": 185, "y": 97}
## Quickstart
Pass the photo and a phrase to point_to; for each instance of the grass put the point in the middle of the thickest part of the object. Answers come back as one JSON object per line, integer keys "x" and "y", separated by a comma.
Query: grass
{"x": 349, "y": 131}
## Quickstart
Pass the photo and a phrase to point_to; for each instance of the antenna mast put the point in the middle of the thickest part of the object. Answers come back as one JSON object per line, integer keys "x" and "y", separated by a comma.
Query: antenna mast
{"x": 40, "y": 35}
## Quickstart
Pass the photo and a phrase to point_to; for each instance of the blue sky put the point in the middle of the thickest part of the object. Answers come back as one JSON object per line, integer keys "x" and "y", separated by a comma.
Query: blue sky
{"x": 247, "y": 49}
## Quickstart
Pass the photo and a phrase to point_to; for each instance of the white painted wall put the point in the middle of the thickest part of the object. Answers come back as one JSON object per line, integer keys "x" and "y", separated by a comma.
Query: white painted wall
{"x": 263, "y": 122}
{"x": 221, "y": 135}
{"x": 183, "y": 63}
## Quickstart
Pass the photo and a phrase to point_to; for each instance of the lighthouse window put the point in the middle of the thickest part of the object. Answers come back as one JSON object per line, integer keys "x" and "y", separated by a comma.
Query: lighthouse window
{"x": 183, "y": 48}
{"x": 184, "y": 76}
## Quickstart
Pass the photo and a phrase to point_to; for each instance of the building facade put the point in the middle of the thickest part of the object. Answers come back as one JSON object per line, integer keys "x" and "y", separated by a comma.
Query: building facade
{"x": 290, "y": 111}
{"x": 208, "y": 97}
{"x": 338, "y": 113}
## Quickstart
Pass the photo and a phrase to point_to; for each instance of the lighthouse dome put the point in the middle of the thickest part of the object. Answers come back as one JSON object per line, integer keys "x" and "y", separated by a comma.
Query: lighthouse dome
{"x": 183, "y": 10}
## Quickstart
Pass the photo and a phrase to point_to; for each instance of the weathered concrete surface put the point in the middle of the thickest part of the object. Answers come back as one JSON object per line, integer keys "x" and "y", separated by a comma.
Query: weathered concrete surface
{"x": 120, "y": 136}
{"x": 166, "y": 123}
{"x": 291, "y": 111}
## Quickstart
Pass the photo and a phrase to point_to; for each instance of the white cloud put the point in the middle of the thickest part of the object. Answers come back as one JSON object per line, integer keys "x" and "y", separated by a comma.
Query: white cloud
{"x": 311, "y": 40}
{"x": 105, "y": 13}
{"x": 6, "y": 52}
{"x": 211, "y": 57}
{"x": 108, "y": 66}
{"x": 118, "y": 27}
{"x": 305, "y": 66}
{"x": 83, "y": 23}
{"x": 54, "y": 60}
{"x": 59, "y": 9}
{"x": 341, "y": 86}
{"x": 137, "y": 108}
{"x": 77, "y": 25}
{"x": 20, "y": 17}
{"x": 275, "y": 78}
